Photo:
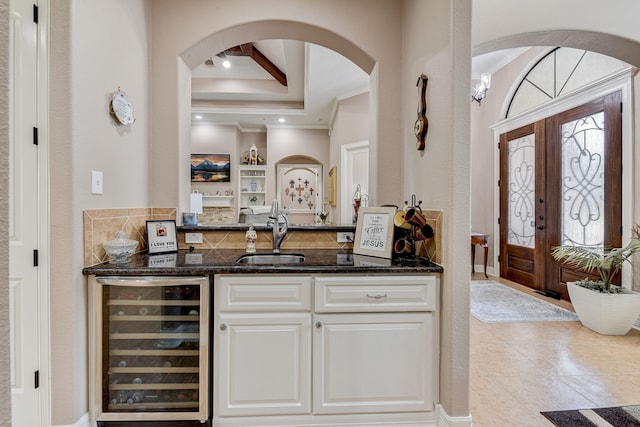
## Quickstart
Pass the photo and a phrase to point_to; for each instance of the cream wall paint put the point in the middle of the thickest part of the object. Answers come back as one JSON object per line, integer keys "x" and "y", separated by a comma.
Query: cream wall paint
{"x": 329, "y": 23}
{"x": 5, "y": 383}
{"x": 290, "y": 143}
{"x": 350, "y": 125}
{"x": 439, "y": 176}
{"x": 483, "y": 150}
{"x": 212, "y": 139}
{"x": 435, "y": 38}
{"x": 584, "y": 24}
{"x": 96, "y": 47}
{"x": 68, "y": 282}
{"x": 498, "y": 25}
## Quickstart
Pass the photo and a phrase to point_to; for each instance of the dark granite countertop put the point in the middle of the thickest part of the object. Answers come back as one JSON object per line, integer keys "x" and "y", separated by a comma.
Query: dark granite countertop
{"x": 262, "y": 227}
{"x": 222, "y": 261}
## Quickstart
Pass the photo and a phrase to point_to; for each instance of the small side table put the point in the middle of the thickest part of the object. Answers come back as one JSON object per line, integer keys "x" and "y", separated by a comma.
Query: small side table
{"x": 482, "y": 240}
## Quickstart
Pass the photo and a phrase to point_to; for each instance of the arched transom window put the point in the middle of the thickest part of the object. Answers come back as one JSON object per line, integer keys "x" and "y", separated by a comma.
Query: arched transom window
{"x": 561, "y": 71}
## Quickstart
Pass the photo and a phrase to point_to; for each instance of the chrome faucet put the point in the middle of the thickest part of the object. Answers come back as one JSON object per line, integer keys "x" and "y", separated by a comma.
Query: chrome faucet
{"x": 278, "y": 218}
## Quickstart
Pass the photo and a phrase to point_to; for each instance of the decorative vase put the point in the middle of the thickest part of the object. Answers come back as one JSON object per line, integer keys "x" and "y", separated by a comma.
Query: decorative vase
{"x": 254, "y": 186}
{"x": 605, "y": 313}
{"x": 251, "y": 236}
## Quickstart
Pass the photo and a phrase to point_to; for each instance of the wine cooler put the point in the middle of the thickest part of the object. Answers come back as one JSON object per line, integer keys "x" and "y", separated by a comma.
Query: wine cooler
{"x": 150, "y": 348}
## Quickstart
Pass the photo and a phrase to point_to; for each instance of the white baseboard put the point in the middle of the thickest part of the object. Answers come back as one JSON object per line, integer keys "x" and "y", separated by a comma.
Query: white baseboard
{"x": 82, "y": 422}
{"x": 444, "y": 420}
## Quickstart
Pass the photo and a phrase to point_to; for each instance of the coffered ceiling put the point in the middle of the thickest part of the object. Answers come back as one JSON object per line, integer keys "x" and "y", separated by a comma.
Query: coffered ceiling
{"x": 248, "y": 95}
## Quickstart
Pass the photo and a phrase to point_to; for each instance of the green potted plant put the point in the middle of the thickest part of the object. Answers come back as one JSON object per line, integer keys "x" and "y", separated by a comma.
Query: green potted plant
{"x": 601, "y": 306}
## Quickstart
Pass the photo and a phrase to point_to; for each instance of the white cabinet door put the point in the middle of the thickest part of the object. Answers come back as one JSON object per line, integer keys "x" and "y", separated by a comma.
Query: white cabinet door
{"x": 263, "y": 364}
{"x": 367, "y": 363}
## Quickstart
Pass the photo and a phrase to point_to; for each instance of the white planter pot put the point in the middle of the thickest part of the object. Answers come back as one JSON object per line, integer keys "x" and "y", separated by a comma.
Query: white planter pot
{"x": 607, "y": 314}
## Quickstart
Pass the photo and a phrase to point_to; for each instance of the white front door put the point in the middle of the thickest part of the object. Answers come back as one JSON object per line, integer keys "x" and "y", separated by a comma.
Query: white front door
{"x": 24, "y": 217}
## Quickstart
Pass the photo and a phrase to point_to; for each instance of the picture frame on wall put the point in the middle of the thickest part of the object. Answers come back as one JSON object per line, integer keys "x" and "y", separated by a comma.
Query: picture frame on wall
{"x": 374, "y": 231}
{"x": 333, "y": 182}
{"x": 162, "y": 236}
{"x": 210, "y": 167}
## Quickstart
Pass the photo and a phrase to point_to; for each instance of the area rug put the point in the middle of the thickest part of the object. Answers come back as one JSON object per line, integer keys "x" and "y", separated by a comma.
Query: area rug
{"x": 492, "y": 302}
{"x": 621, "y": 416}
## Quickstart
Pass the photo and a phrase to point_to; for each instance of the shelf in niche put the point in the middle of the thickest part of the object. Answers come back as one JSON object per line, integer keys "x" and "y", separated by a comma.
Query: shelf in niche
{"x": 217, "y": 201}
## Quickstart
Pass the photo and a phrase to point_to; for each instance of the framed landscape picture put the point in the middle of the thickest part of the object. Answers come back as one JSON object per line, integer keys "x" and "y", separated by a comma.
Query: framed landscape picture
{"x": 211, "y": 168}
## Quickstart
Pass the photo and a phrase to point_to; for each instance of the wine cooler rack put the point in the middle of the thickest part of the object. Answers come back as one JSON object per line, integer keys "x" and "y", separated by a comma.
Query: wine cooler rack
{"x": 151, "y": 348}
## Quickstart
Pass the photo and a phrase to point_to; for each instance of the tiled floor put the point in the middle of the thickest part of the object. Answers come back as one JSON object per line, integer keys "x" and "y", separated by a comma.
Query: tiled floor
{"x": 520, "y": 369}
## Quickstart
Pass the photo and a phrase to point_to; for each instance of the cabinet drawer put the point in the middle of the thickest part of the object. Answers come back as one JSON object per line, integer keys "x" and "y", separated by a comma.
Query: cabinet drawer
{"x": 263, "y": 293}
{"x": 375, "y": 293}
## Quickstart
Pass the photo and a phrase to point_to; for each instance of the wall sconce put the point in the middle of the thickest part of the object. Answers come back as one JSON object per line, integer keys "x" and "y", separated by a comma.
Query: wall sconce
{"x": 480, "y": 90}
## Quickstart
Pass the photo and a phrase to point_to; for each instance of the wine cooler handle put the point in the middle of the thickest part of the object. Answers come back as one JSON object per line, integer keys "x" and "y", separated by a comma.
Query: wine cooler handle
{"x": 147, "y": 280}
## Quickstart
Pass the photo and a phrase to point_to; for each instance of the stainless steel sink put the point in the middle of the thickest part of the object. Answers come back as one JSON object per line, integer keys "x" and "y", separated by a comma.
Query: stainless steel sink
{"x": 270, "y": 259}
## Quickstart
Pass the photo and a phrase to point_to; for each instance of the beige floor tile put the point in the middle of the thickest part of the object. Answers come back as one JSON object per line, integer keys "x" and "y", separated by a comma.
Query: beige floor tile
{"x": 520, "y": 369}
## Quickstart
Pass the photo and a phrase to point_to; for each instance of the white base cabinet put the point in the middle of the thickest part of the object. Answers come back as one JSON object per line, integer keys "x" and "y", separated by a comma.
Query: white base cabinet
{"x": 371, "y": 363}
{"x": 365, "y": 347}
{"x": 267, "y": 364}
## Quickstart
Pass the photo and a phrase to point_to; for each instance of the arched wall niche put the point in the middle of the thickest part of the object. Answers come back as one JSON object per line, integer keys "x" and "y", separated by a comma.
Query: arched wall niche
{"x": 218, "y": 41}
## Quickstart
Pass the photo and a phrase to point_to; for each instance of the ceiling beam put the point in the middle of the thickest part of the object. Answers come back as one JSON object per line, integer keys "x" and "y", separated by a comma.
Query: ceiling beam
{"x": 248, "y": 49}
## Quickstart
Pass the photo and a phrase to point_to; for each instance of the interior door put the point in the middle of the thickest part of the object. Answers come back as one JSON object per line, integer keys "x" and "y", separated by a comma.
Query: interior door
{"x": 23, "y": 218}
{"x": 522, "y": 205}
{"x": 560, "y": 184}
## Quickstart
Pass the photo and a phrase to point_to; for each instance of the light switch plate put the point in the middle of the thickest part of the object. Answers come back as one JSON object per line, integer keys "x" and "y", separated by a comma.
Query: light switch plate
{"x": 193, "y": 237}
{"x": 96, "y": 182}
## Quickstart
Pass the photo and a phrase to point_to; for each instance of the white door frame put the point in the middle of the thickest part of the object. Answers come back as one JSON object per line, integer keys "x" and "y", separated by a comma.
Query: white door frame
{"x": 346, "y": 181}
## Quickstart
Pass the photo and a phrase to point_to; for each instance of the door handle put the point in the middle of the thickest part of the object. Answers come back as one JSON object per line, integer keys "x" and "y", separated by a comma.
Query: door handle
{"x": 540, "y": 227}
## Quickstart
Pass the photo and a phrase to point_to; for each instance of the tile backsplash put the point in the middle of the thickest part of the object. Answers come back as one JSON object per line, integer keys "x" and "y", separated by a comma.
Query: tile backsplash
{"x": 102, "y": 225}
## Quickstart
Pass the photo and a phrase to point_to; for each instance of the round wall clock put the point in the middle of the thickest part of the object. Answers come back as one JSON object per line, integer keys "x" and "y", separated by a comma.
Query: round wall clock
{"x": 122, "y": 108}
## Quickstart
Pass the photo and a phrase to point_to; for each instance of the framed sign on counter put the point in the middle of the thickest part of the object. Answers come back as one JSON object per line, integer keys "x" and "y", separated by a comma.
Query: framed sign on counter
{"x": 374, "y": 232}
{"x": 162, "y": 236}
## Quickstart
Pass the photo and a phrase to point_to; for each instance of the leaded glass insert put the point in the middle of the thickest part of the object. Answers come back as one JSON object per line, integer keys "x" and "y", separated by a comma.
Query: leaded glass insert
{"x": 522, "y": 191}
{"x": 583, "y": 181}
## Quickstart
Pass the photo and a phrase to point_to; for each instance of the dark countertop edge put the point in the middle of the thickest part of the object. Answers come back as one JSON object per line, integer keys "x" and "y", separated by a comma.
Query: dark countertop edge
{"x": 262, "y": 227}
{"x": 318, "y": 261}
{"x": 108, "y": 270}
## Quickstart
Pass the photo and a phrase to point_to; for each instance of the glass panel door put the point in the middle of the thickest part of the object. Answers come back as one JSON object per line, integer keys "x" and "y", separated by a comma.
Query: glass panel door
{"x": 583, "y": 181}
{"x": 521, "y": 205}
{"x": 522, "y": 191}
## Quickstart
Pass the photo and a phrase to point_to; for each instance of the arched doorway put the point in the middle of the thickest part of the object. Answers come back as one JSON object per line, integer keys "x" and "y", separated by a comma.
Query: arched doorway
{"x": 219, "y": 41}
